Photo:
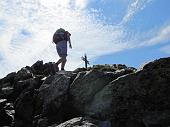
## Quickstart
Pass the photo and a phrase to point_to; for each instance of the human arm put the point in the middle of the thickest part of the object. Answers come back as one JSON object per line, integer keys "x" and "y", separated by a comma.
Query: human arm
{"x": 69, "y": 40}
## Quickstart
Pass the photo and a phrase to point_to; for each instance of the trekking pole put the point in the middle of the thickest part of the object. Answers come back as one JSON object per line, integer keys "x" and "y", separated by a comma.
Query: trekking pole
{"x": 85, "y": 60}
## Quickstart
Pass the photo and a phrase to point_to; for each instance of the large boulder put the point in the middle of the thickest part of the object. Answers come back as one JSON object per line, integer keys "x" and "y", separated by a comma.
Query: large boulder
{"x": 24, "y": 109}
{"x": 50, "y": 68}
{"x": 84, "y": 88}
{"x": 25, "y": 85}
{"x": 6, "y": 85}
{"x": 6, "y": 91}
{"x": 142, "y": 98}
{"x": 37, "y": 68}
{"x": 53, "y": 96}
{"x": 23, "y": 74}
{"x": 88, "y": 95}
{"x": 8, "y": 79}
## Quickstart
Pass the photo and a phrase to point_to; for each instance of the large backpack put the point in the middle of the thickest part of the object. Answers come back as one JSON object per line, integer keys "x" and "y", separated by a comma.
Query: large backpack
{"x": 60, "y": 35}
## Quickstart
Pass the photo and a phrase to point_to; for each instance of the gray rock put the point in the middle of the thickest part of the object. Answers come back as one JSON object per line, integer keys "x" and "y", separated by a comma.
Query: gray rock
{"x": 24, "y": 109}
{"x": 37, "y": 68}
{"x": 6, "y": 85}
{"x": 5, "y": 118}
{"x": 112, "y": 67}
{"x": 79, "y": 122}
{"x": 53, "y": 95}
{"x": 6, "y": 91}
{"x": 84, "y": 88}
{"x": 79, "y": 70}
{"x": 136, "y": 95}
{"x": 8, "y": 79}
{"x": 89, "y": 94}
{"x": 23, "y": 74}
{"x": 23, "y": 86}
{"x": 50, "y": 68}
{"x": 42, "y": 122}
{"x": 157, "y": 118}
{"x": 115, "y": 95}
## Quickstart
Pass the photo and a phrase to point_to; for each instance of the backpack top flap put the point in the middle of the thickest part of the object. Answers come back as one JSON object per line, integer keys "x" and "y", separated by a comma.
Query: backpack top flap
{"x": 59, "y": 35}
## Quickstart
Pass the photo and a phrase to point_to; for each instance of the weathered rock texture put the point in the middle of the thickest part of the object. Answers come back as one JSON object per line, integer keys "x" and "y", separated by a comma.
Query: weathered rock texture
{"x": 102, "y": 96}
{"x": 144, "y": 96}
{"x": 82, "y": 122}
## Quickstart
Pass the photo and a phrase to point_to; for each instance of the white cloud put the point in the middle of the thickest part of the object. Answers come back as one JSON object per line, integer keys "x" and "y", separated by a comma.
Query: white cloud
{"x": 162, "y": 35}
{"x": 42, "y": 18}
{"x": 134, "y": 7}
{"x": 77, "y": 4}
{"x": 81, "y": 4}
{"x": 55, "y": 3}
{"x": 155, "y": 36}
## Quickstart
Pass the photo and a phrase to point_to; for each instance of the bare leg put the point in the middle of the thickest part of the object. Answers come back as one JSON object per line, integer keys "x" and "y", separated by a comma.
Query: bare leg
{"x": 59, "y": 61}
{"x": 64, "y": 60}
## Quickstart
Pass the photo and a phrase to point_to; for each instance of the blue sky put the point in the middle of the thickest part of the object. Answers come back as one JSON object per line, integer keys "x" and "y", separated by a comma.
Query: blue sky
{"x": 155, "y": 15}
{"x": 131, "y": 32}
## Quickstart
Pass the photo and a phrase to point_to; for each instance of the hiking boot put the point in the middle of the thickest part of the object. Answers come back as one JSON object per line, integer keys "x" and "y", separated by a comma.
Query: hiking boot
{"x": 61, "y": 72}
{"x": 62, "y": 69}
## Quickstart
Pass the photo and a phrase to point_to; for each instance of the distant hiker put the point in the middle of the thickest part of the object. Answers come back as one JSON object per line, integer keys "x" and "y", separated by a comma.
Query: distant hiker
{"x": 60, "y": 38}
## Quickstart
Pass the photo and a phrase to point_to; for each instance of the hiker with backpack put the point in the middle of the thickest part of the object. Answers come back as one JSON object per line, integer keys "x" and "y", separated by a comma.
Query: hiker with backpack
{"x": 60, "y": 38}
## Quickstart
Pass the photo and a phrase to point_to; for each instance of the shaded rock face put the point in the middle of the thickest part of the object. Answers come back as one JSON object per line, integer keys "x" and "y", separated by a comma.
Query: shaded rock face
{"x": 44, "y": 69}
{"x": 88, "y": 94}
{"x": 53, "y": 96}
{"x": 102, "y": 95}
{"x": 85, "y": 87}
{"x": 23, "y": 74}
{"x": 24, "y": 110}
{"x": 143, "y": 97}
{"x": 24, "y": 86}
{"x": 5, "y": 118}
{"x": 17, "y": 89}
{"x": 6, "y": 85}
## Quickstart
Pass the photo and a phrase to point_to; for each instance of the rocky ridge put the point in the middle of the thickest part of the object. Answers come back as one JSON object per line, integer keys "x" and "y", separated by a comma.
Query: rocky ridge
{"x": 102, "y": 95}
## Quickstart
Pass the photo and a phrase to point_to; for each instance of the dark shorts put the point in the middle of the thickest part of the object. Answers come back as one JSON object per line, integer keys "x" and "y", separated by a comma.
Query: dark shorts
{"x": 61, "y": 48}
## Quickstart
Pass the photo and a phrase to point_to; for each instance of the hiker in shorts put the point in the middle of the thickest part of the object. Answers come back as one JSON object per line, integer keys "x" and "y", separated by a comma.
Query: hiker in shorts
{"x": 60, "y": 38}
